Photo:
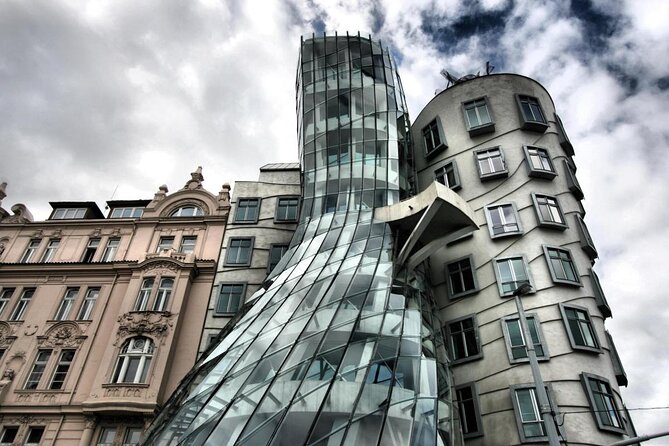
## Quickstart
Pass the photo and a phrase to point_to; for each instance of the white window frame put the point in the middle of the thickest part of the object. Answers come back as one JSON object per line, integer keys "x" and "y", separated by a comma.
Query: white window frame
{"x": 536, "y": 413}
{"x": 163, "y": 294}
{"x": 31, "y": 249}
{"x": 68, "y": 213}
{"x": 189, "y": 210}
{"x": 130, "y": 352}
{"x": 5, "y": 297}
{"x": 144, "y": 295}
{"x": 90, "y": 250}
{"x": 88, "y": 304}
{"x": 20, "y": 308}
{"x": 66, "y": 303}
{"x": 498, "y": 209}
{"x": 62, "y": 367}
{"x": 111, "y": 248}
{"x": 50, "y": 251}
{"x": 514, "y": 274}
{"x": 187, "y": 244}
{"x": 38, "y": 368}
{"x": 165, "y": 242}
{"x": 127, "y": 212}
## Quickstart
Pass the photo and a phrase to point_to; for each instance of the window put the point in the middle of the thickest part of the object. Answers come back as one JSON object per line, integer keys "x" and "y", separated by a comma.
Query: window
{"x": 132, "y": 436}
{"x": 618, "y": 369}
{"x": 5, "y": 296}
{"x": 587, "y": 244}
{"x": 68, "y": 213}
{"x": 561, "y": 266}
{"x": 464, "y": 340}
{"x": 563, "y": 139}
{"x": 38, "y": 369}
{"x": 539, "y": 162}
{"x": 448, "y": 175}
{"x": 275, "y": 254}
{"x": 490, "y": 163}
{"x": 66, "y": 304}
{"x": 144, "y": 294}
{"x": 230, "y": 298}
{"x": 239, "y": 251}
{"x": 22, "y": 304}
{"x": 164, "y": 243}
{"x": 163, "y": 295}
{"x": 187, "y": 245}
{"x": 133, "y": 361}
{"x": 30, "y": 250}
{"x": 528, "y": 417}
{"x": 600, "y": 297}
{"x": 548, "y": 211}
{"x": 511, "y": 273}
{"x": 62, "y": 367}
{"x": 129, "y": 212}
{"x": 286, "y": 209}
{"x": 468, "y": 408}
{"x": 50, "y": 251}
{"x": 88, "y": 304}
{"x": 461, "y": 277}
{"x": 91, "y": 249}
{"x": 502, "y": 220}
{"x": 247, "y": 210}
{"x": 107, "y": 435}
{"x": 187, "y": 211}
{"x": 515, "y": 339}
{"x": 579, "y": 328}
{"x": 477, "y": 116}
{"x": 572, "y": 182}
{"x": 603, "y": 403}
{"x": 532, "y": 115}
{"x": 110, "y": 250}
{"x": 34, "y": 436}
{"x": 8, "y": 435}
{"x": 433, "y": 137}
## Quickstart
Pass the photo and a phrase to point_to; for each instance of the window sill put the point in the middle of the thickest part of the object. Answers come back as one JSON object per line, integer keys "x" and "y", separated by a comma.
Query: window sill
{"x": 285, "y": 221}
{"x": 433, "y": 152}
{"x": 245, "y": 222}
{"x": 231, "y": 314}
{"x": 463, "y": 294}
{"x": 133, "y": 385}
{"x": 467, "y": 359}
{"x": 495, "y": 175}
{"x": 585, "y": 349}
{"x": 502, "y": 235}
{"x": 482, "y": 129}
{"x": 545, "y": 174}
{"x": 567, "y": 282}
{"x": 553, "y": 225}
{"x": 48, "y": 391}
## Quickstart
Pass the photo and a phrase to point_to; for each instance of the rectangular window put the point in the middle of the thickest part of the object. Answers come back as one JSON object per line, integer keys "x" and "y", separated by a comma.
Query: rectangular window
{"x": 187, "y": 245}
{"x": 490, "y": 163}
{"x": 165, "y": 242}
{"x": 548, "y": 211}
{"x": 511, "y": 273}
{"x": 461, "y": 277}
{"x": 247, "y": 210}
{"x": 163, "y": 295}
{"x": 468, "y": 408}
{"x": 62, "y": 367}
{"x": 22, "y": 304}
{"x": 532, "y": 115}
{"x": 572, "y": 182}
{"x": 132, "y": 436}
{"x": 144, "y": 295}
{"x": 50, "y": 251}
{"x": 230, "y": 298}
{"x": 448, "y": 175}
{"x": 37, "y": 370}
{"x": 68, "y": 213}
{"x": 29, "y": 253}
{"x": 275, "y": 254}
{"x": 464, "y": 340}
{"x": 91, "y": 249}
{"x": 8, "y": 435}
{"x": 34, "y": 436}
{"x": 561, "y": 266}
{"x": 563, "y": 139}
{"x": 287, "y": 209}
{"x": 433, "y": 137}
{"x": 527, "y": 410}
{"x": 107, "y": 435}
{"x": 587, "y": 244}
{"x": 581, "y": 332}
{"x": 539, "y": 162}
{"x": 502, "y": 220}
{"x": 86, "y": 310}
{"x": 109, "y": 253}
{"x": 600, "y": 297}
{"x": 478, "y": 117}
{"x": 66, "y": 304}
{"x": 618, "y": 369}
{"x": 515, "y": 339}
{"x": 5, "y": 296}
{"x": 239, "y": 251}
{"x": 603, "y": 403}
{"x": 129, "y": 212}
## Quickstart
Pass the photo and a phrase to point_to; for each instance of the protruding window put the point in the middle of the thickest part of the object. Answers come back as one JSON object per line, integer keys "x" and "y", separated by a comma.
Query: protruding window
{"x": 511, "y": 273}
{"x": 603, "y": 403}
{"x": 461, "y": 277}
{"x": 618, "y": 369}
{"x": 587, "y": 244}
{"x": 516, "y": 344}
{"x": 68, "y": 213}
{"x": 239, "y": 251}
{"x": 478, "y": 117}
{"x": 37, "y": 370}
{"x": 127, "y": 212}
{"x": 433, "y": 137}
{"x": 66, "y": 304}
{"x": 50, "y": 251}
{"x": 188, "y": 243}
{"x": 287, "y": 209}
{"x": 448, "y": 175}
{"x": 539, "y": 162}
{"x": 109, "y": 253}
{"x": 503, "y": 220}
{"x": 490, "y": 163}
{"x": 581, "y": 332}
{"x": 62, "y": 368}
{"x": 563, "y": 139}
{"x": 86, "y": 310}
{"x": 165, "y": 242}
{"x": 464, "y": 339}
{"x": 247, "y": 210}
{"x": 561, "y": 266}
{"x": 532, "y": 115}
{"x": 134, "y": 361}
{"x": 549, "y": 213}
{"x": 275, "y": 254}
{"x": 29, "y": 253}
{"x": 187, "y": 211}
{"x": 600, "y": 297}
{"x": 22, "y": 304}
{"x": 230, "y": 298}
{"x": 572, "y": 182}
{"x": 531, "y": 426}
{"x": 91, "y": 249}
{"x": 468, "y": 408}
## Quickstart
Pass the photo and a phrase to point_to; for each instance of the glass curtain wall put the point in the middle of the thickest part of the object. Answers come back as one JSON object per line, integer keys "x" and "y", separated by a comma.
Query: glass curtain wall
{"x": 341, "y": 346}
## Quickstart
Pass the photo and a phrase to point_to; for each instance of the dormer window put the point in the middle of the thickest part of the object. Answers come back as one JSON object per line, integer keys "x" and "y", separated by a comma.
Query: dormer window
{"x": 187, "y": 211}
{"x": 68, "y": 213}
{"x": 128, "y": 212}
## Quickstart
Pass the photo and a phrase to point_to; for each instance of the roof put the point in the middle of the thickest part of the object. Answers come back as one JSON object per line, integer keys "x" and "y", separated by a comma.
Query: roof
{"x": 280, "y": 166}
{"x": 127, "y": 203}
{"x": 93, "y": 211}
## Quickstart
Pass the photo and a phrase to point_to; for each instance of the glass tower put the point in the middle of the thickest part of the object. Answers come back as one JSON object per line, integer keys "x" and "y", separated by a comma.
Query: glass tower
{"x": 341, "y": 345}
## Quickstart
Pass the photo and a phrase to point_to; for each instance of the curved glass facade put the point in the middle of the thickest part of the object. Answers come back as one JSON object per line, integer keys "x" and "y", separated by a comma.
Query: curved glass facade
{"x": 341, "y": 346}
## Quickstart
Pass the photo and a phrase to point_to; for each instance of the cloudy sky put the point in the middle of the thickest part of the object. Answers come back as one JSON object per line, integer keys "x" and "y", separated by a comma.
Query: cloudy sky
{"x": 109, "y": 98}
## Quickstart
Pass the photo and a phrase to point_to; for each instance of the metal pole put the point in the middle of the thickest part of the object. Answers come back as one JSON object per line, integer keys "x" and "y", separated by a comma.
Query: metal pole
{"x": 639, "y": 439}
{"x": 540, "y": 389}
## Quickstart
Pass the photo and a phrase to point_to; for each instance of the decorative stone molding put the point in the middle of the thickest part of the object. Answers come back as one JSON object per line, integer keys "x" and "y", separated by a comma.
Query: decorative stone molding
{"x": 196, "y": 180}
{"x": 30, "y": 330}
{"x": 24, "y": 419}
{"x": 150, "y": 323}
{"x": 6, "y": 335}
{"x": 160, "y": 267}
{"x": 62, "y": 335}
{"x": 224, "y": 197}
{"x": 21, "y": 215}
{"x": 90, "y": 421}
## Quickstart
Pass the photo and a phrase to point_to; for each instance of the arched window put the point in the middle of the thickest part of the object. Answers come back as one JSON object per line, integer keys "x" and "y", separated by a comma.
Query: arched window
{"x": 187, "y": 211}
{"x": 133, "y": 361}
{"x": 164, "y": 293}
{"x": 144, "y": 294}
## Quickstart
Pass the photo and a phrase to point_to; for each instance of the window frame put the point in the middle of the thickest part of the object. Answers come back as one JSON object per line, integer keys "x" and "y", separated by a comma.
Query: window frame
{"x": 66, "y": 304}
{"x": 65, "y": 363}
{"x": 572, "y": 182}
{"x": 597, "y": 348}
{"x": 35, "y": 376}
{"x": 493, "y": 174}
{"x": 165, "y": 242}
{"x": 488, "y": 216}
{"x": 449, "y": 282}
{"x": 150, "y": 296}
{"x": 163, "y": 294}
{"x": 6, "y": 295}
{"x": 473, "y": 387}
{"x": 498, "y": 274}
{"x": 563, "y": 139}
{"x": 536, "y": 323}
{"x": 277, "y": 217}
{"x": 537, "y": 411}
{"x": 479, "y": 129}
{"x": 286, "y": 246}
{"x": 135, "y": 212}
{"x": 547, "y": 255}
{"x": 530, "y": 122}
{"x": 616, "y": 362}
{"x": 31, "y": 249}
{"x": 21, "y": 305}
{"x": 9, "y": 441}
{"x": 86, "y": 309}
{"x": 440, "y": 172}
{"x": 31, "y": 429}
{"x": 450, "y": 335}
{"x": 227, "y": 261}
{"x": 586, "y": 378}
{"x": 110, "y": 251}
{"x": 141, "y": 374}
{"x": 600, "y": 297}
{"x": 432, "y": 126}
{"x": 219, "y": 297}
{"x": 543, "y": 154}
{"x": 587, "y": 244}
{"x": 188, "y": 238}
{"x": 541, "y": 221}
{"x": 91, "y": 251}
{"x": 62, "y": 214}
{"x": 50, "y": 250}
{"x": 176, "y": 212}
{"x": 238, "y": 207}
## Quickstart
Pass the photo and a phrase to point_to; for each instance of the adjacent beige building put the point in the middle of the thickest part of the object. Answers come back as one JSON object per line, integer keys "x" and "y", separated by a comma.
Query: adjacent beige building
{"x": 101, "y": 315}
